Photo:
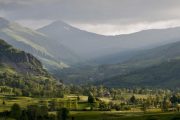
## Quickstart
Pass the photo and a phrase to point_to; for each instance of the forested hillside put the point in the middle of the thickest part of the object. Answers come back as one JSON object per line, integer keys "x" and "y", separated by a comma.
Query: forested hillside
{"x": 140, "y": 59}
{"x": 23, "y": 74}
{"x": 164, "y": 75}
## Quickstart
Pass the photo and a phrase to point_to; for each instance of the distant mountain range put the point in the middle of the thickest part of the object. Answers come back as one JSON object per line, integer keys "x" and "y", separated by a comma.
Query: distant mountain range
{"x": 158, "y": 67}
{"x": 91, "y": 46}
{"x": 61, "y": 45}
{"x": 79, "y": 56}
{"x": 113, "y": 55}
{"x": 141, "y": 61}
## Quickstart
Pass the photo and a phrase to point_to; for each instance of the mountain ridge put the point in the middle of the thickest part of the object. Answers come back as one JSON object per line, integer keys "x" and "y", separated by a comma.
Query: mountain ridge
{"x": 90, "y": 45}
{"x": 140, "y": 60}
{"x": 53, "y": 55}
{"x": 163, "y": 75}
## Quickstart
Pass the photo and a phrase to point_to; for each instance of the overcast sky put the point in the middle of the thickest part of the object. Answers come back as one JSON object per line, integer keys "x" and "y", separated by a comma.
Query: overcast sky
{"x": 108, "y": 17}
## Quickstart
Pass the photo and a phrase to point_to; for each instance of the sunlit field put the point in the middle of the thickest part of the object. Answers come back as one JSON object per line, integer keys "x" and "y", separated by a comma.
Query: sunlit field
{"x": 83, "y": 111}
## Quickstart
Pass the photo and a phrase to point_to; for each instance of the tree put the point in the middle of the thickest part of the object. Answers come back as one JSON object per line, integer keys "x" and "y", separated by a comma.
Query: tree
{"x": 114, "y": 93}
{"x": 43, "y": 111}
{"x": 91, "y": 100}
{"x": 103, "y": 106}
{"x": 53, "y": 105}
{"x": 16, "y": 111}
{"x": 133, "y": 99}
{"x": 63, "y": 114}
{"x": 4, "y": 103}
{"x": 144, "y": 107}
{"x": 78, "y": 98}
{"x": 174, "y": 99}
{"x": 24, "y": 115}
{"x": 165, "y": 104}
{"x": 32, "y": 112}
{"x": 100, "y": 91}
{"x": 76, "y": 104}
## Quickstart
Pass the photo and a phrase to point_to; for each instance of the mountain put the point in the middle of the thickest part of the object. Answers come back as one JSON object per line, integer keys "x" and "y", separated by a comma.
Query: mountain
{"x": 90, "y": 46}
{"x": 154, "y": 67}
{"x": 136, "y": 60}
{"x": 59, "y": 45}
{"x": 156, "y": 55}
{"x": 23, "y": 72}
{"x": 116, "y": 58}
{"x": 165, "y": 75}
{"x": 50, "y": 52}
{"x": 22, "y": 62}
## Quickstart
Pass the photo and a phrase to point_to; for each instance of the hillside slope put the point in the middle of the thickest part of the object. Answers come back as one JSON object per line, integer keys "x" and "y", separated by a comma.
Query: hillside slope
{"x": 156, "y": 55}
{"x": 163, "y": 75}
{"x": 140, "y": 59}
{"x": 22, "y": 71}
{"x": 50, "y": 52}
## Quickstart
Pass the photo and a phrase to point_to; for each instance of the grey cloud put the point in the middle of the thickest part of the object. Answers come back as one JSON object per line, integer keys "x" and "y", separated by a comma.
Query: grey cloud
{"x": 92, "y": 11}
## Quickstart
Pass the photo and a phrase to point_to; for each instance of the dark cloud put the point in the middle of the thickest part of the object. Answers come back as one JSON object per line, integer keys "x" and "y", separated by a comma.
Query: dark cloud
{"x": 92, "y": 11}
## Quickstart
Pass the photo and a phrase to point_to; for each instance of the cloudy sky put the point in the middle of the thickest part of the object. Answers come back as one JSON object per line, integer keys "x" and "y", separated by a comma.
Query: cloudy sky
{"x": 108, "y": 17}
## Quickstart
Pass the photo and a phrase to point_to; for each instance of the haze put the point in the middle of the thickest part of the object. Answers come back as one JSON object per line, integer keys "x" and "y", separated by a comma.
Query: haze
{"x": 107, "y": 17}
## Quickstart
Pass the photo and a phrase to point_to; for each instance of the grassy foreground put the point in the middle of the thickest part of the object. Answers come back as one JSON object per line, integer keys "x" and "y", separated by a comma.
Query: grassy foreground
{"x": 88, "y": 115}
{"x": 92, "y": 115}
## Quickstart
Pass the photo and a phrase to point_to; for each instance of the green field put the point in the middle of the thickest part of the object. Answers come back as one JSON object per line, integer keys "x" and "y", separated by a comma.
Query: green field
{"x": 94, "y": 115}
{"x": 133, "y": 114}
{"x": 97, "y": 115}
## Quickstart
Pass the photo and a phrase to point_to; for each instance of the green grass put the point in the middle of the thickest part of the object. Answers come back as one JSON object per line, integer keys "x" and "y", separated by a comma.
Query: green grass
{"x": 25, "y": 101}
{"x": 89, "y": 115}
{"x": 22, "y": 101}
{"x": 5, "y": 68}
{"x": 96, "y": 115}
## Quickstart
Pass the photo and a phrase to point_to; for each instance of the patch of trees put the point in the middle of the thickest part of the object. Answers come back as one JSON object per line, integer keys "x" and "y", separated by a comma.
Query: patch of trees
{"x": 34, "y": 112}
{"x": 29, "y": 85}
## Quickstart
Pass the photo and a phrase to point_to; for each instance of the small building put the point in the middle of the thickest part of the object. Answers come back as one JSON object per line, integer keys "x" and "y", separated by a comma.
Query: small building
{"x": 107, "y": 94}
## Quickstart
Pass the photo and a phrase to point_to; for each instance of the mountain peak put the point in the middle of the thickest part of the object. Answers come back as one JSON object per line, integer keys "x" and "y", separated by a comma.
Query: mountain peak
{"x": 59, "y": 26}
{"x": 60, "y": 22}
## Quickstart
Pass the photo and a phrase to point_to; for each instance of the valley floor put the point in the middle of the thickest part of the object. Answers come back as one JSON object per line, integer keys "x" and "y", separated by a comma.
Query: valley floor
{"x": 97, "y": 115}
{"x": 133, "y": 114}
{"x": 94, "y": 115}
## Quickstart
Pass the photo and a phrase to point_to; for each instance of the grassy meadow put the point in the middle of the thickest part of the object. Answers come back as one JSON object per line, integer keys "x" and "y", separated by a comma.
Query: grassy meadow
{"x": 83, "y": 112}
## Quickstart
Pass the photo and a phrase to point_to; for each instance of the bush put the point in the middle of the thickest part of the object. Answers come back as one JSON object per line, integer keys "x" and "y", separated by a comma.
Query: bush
{"x": 152, "y": 118}
{"x": 16, "y": 111}
{"x": 127, "y": 108}
{"x": 176, "y": 118}
{"x": 4, "y": 114}
{"x": 63, "y": 114}
{"x": 118, "y": 108}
